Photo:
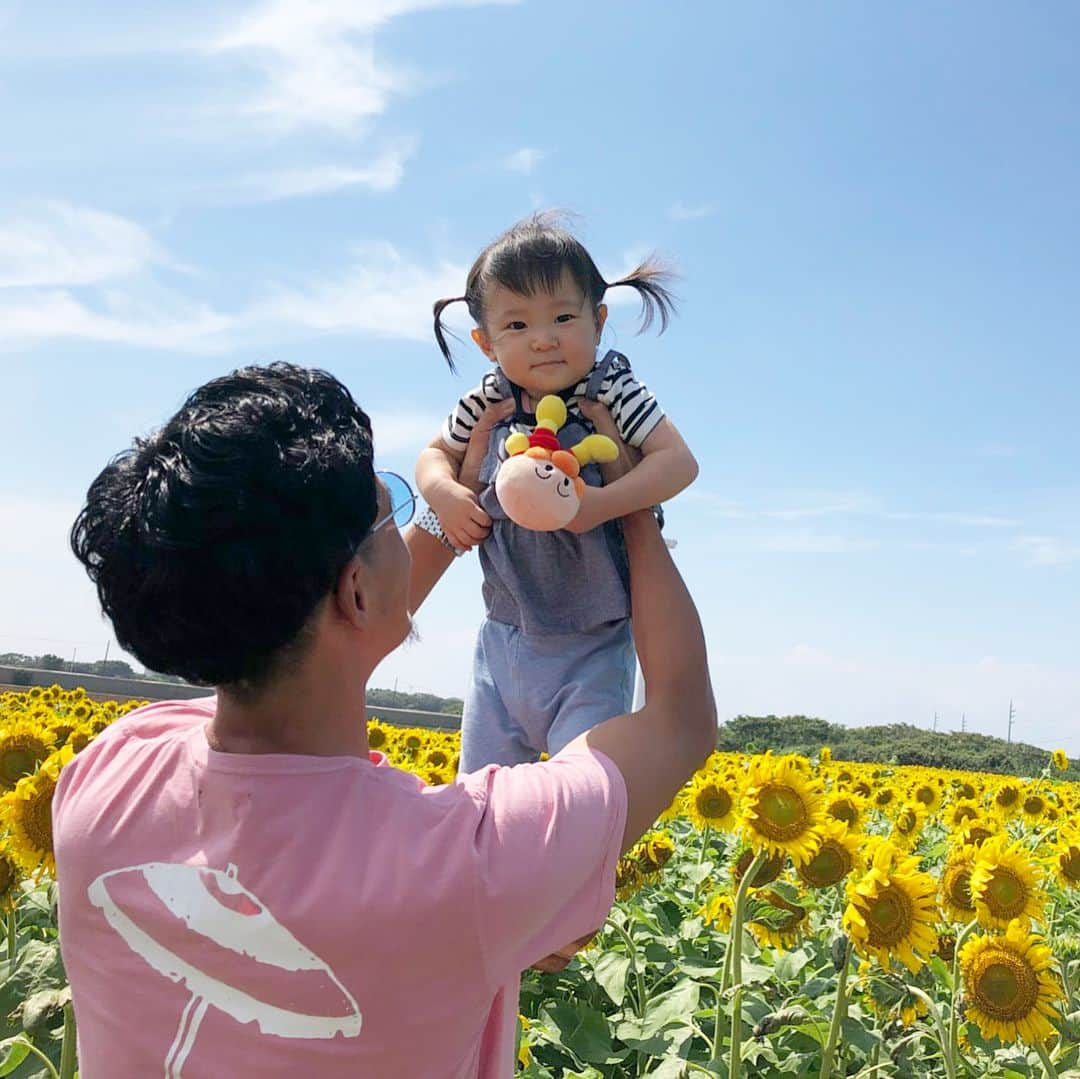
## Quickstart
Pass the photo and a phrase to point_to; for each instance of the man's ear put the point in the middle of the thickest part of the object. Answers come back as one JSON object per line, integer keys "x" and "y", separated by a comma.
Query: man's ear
{"x": 601, "y": 318}
{"x": 483, "y": 343}
{"x": 351, "y": 594}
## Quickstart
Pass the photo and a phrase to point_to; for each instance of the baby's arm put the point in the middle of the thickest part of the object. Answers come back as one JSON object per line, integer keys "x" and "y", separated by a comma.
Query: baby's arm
{"x": 667, "y": 467}
{"x": 437, "y": 472}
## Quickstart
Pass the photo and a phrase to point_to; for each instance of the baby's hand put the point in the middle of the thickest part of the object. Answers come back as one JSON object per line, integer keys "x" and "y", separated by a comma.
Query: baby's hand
{"x": 460, "y": 515}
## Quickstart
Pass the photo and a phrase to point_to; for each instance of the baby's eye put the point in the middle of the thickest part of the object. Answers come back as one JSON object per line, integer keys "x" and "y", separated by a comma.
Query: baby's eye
{"x": 565, "y": 317}
{"x": 517, "y": 324}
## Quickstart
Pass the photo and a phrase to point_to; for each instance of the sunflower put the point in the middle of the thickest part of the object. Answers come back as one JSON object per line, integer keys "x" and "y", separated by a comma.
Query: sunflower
{"x": 9, "y": 878}
{"x": 27, "y": 811}
{"x": 884, "y": 797}
{"x": 781, "y": 928}
{"x": 23, "y": 746}
{"x": 846, "y": 808}
{"x": 825, "y": 756}
{"x": 782, "y": 807}
{"x": 975, "y": 833}
{"x": 653, "y": 852}
{"x": 926, "y": 793}
{"x": 718, "y": 912}
{"x": 1004, "y": 884}
{"x": 711, "y": 800}
{"x": 837, "y": 856}
{"x": 1066, "y": 859}
{"x": 956, "y": 901}
{"x": 891, "y": 910}
{"x": 376, "y": 735}
{"x": 1060, "y": 759}
{"x": 1033, "y": 807}
{"x": 1007, "y": 799}
{"x": 766, "y": 873}
{"x": 908, "y": 824}
{"x": 960, "y": 812}
{"x": 628, "y": 878}
{"x": 1009, "y": 989}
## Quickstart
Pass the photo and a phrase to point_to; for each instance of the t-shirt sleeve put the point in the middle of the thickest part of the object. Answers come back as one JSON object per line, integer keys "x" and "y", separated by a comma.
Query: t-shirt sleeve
{"x": 633, "y": 406}
{"x": 459, "y": 424}
{"x": 546, "y": 848}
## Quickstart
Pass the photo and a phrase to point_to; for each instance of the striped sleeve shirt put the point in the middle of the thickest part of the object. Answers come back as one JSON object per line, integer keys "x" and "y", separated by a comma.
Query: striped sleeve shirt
{"x": 633, "y": 407}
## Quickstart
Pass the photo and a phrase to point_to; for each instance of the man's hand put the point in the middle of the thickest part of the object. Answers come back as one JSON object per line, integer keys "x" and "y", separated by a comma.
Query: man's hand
{"x": 560, "y": 960}
{"x": 594, "y": 505}
{"x": 479, "y": 438}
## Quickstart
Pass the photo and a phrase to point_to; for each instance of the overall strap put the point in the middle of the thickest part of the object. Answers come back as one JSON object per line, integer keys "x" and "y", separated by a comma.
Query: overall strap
{"x": 596, "y": 376}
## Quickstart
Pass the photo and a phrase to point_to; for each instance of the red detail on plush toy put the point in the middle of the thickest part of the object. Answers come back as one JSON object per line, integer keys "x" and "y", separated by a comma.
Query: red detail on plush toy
{"x": 544, "y": 439}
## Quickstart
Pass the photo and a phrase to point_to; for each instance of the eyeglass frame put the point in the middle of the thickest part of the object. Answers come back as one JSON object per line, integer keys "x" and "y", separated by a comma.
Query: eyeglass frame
{"x": 394, "y": 509}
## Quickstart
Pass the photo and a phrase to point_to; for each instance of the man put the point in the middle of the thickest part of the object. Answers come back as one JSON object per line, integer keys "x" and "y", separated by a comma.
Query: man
{"x": 245, "y": 890}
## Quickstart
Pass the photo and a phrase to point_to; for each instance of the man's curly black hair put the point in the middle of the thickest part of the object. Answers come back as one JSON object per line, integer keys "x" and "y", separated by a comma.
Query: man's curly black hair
{"x": 212, "y": 541}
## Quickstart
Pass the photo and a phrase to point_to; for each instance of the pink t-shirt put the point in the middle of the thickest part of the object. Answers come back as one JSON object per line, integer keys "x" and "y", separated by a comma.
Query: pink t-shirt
{"x": 282, "y": 915}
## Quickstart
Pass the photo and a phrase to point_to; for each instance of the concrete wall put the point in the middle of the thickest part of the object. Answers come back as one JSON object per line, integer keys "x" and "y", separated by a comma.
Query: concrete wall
{"x": 104, "y": 688}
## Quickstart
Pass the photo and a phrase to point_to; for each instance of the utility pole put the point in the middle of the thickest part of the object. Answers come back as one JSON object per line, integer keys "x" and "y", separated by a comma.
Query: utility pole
{"x": 1012, "y": 716}
{"x": 106, "y": 659}
{"x": 963, "y": 722}
{"x": 935, "y": 721}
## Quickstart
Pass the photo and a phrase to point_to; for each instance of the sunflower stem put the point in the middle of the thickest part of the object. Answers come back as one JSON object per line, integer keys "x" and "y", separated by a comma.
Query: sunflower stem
{"x": 839, "y": 1009}
{"x": 737, "y": 917}
{"x": 735, "y": 1065}
{"x": 705, "y": 836}
{"x": 954, "y": 1019}
{"x": 12, "y": 929}
{"x": 942, "y": 1037}
{"x": 1047, "y": 1063}
{"x": 67, "y": 1051}
{"x": 639, "y": 979}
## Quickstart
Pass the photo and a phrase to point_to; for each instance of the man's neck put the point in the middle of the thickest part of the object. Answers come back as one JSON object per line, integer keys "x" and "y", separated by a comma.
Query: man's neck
{"x": 309, "y": 713}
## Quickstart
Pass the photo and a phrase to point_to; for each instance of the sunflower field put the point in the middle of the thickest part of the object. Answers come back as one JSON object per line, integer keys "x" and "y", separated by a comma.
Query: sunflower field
{"x": 786, "y": 916}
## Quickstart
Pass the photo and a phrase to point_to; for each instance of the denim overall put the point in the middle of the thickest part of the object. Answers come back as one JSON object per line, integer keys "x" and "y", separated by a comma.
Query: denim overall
{"x": 555, "y": 655}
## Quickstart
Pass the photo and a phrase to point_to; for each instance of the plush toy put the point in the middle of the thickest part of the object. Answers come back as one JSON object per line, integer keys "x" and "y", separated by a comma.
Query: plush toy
{"x": 539, "y": 485}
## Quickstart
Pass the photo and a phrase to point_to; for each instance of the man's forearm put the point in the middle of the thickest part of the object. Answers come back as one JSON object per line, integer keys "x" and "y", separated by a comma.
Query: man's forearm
{"x": 430, "y": 560}
{"x": 667, "y": 629}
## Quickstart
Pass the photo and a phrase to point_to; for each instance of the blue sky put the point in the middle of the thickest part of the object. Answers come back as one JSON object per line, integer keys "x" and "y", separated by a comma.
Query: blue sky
{"x": 875, "y": 210}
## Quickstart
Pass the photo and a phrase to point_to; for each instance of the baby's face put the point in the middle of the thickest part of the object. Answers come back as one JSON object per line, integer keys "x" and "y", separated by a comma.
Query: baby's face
{"x": 545, "y": 342}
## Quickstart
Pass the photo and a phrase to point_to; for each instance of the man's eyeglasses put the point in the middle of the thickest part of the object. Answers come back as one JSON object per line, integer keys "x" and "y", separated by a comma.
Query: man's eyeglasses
{"x": 402, "y": 501}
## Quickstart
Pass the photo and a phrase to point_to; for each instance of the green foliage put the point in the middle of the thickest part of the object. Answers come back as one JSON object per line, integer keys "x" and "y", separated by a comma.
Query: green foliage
{"x": 420, "y": 702}
{"x": 894, "y": 743}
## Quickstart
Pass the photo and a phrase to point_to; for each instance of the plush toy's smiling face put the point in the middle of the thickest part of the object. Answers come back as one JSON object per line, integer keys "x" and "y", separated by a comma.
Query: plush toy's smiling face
{"x": 536, "y": 494}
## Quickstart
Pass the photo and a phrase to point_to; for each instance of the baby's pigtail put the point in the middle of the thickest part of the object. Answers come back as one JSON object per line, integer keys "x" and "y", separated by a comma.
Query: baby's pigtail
{"x": 440, "y": 333}
{"x": 650, "y": 280}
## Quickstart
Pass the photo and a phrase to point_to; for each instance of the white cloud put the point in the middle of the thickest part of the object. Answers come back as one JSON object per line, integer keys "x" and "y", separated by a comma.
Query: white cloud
{"x": 681, "y": 212}
{"x": 524, "y": 160}
{"x": 56, "y": 244}
{"x": 383, "y": 174}
{"x": 31, "y": 315}
{"x": 383, "y": 294}
{"x": 318, "y": 61}
{"x": 1047, "y": 551}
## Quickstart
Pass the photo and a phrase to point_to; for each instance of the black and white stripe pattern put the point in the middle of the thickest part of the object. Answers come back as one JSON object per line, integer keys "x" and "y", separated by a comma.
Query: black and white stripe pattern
{"x": 634, "y": 409}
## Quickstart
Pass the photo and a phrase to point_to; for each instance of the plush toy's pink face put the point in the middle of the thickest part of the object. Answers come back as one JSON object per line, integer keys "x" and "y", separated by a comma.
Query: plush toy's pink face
{"x": 536, "y": 494}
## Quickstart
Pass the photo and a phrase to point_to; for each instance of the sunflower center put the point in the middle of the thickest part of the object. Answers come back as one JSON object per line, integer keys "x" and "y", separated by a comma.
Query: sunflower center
{"x": 925, "y": 795}
{"x": 843, "y": 809}
{"x": 1069, "y": 862}
{"x": 1004, "y": 986}
{"x": 769, "y": 870}
{"x": 20, "y": 759}
{"x": 1005, "y": 893}
{"x": 36, "y": 818}
{"x": 829, "y": 866}
{"x": 713, "y": 802}
{"x": 958, "y": 884}
{"x": 889, "y": 917}
{"x": 1007, "y": 796}
{"x": 781, "y": 813}
{"x": 1033, "y": 805}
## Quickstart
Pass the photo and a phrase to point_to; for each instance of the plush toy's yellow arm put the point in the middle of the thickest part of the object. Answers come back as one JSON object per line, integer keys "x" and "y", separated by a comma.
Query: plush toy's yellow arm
{"x": 550, "y": 412}
{"x": 516, "y": 443}
{"x": 595, "y": 448}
